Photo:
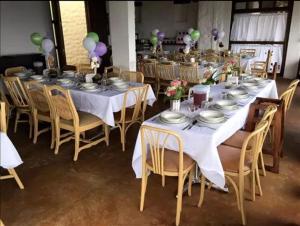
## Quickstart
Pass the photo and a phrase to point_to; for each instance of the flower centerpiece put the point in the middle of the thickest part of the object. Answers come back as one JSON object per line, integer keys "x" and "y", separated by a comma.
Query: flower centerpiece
{"x": 228, "y": 68}
{"x": 175, "y": 92}
{"x": 209, "y": 76}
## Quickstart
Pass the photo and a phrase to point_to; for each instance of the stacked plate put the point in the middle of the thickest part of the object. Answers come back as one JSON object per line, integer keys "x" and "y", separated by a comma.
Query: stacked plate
{"x": 225, "y": 105}
{"x": 65, "y": 82}
{"x": 36, "y": 77}
{"x": 171, "y": 117}
{"x": 69, "y": 74}
{"x": 210, "y": 116}
{"x": 118, "y": 84}
{"x": 250, "y": 85}
{"x": 237, "y": 94}
{"x": 89, "y": 87}
{"x": 21, "y": 75}
{"x": 260, "y": 81}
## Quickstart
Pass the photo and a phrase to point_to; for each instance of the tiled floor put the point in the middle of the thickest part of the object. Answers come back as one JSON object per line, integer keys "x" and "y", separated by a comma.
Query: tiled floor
{"x": 101, "y": 189}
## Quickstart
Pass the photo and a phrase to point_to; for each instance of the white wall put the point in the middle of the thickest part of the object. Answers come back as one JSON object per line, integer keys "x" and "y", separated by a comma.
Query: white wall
{"x": 18, "y": 20}
{"x": 162, "y": 15}
{"x": 293, "y": 52}
{"x": 122, "y": 34}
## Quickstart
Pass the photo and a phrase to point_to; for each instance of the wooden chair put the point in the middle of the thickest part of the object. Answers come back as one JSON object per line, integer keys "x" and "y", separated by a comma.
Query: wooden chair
{"x": 66, "y": 117}
{"x": 236, "y": 140}
{"x": 165, "y": 74}
{"x": 12, "y": 173}
{"x": 287, "y": 96}
{"x": 130, "y": 115}
{"x": 248, "y": 52}
{"x": 190, "y": 73}
{"x": 112, "y": 71}
{"x": 40, "y": 109}
{"x": 132, "y": 76}
{"x": 160, "y": 160}
{"x": 239, "y": 163}
{"x": 12, "y": 70}
{"x": 20, "y": 101}
{"x": 259, "y": 69}
{"x": 293, "y": 85}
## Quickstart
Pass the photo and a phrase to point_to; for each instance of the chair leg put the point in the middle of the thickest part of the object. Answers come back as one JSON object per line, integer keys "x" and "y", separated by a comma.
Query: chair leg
{"x": 262, "y": 164}
{"x": 123, "y": 137}
{"x": 52, "y": 135}
{"x": 30, "y": 120}
{"x": 57, "y": 138}
{"x": 179, "y": 200}
{"x": 191, "y": 176}
{"x": 35, "y": 129}
{"x": 252, "y": 182}
{"x": 13, "y": 173}
{"x": 241, "y": 199}
{"x": 77, "y": 139}
{"x": 163, "y": 180}
{"x": 157, "y": 90}
{"x": 16, "y": 121}
{"x": 143, "y": 190}
{"x": 258, "y": 182}
{"x": 202, "y": 190}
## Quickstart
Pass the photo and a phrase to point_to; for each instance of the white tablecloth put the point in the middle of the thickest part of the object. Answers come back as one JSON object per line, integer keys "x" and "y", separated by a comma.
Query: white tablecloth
{"x": 103, "y": 104}
{"x": 9, "y": 156}
{"x": 200, "y": 143}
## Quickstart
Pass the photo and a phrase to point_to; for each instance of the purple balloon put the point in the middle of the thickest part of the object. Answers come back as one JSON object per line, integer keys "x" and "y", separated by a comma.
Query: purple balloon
{"x": 214, "y": 32}
{"x": 160, "y": 35}
{"x": 100, "y": 49}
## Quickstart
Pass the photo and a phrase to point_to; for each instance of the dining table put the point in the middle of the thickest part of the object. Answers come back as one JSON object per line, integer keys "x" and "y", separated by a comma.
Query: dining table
{"x": 200, "y": 141}
{"x": 9, "y": 156}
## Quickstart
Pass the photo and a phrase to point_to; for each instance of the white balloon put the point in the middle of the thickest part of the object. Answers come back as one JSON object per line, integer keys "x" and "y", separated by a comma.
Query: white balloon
{"x": 221, "y": 34}
{"x": 190, "y": 30}
{"x": 155, "y": 31}
{"x": 186, "y": 49}
{"x": 187, "y": 39}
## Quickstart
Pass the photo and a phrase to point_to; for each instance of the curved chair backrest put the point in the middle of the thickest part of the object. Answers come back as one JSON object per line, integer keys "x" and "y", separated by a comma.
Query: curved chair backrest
{"x": 269, "y": 115}
{"x": 12, "y": 70}
{"x": 293, "y": 85}
{"x": 3, "y": 117}
{"x": 154, "y": 141}
{"x": 286, "y": 96}
{"x": 132, "y": 76}
{"x": 16, "y": 91}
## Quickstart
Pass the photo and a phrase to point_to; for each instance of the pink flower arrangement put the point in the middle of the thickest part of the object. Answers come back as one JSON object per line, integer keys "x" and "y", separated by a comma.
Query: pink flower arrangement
{"x": 176, "y": 89}
{"x": 228, "y": 66}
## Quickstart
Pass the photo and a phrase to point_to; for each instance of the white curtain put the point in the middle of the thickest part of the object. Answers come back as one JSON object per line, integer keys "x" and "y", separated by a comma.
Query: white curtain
{"x": 259, "y": 27}
{"x": 261, "y": 51}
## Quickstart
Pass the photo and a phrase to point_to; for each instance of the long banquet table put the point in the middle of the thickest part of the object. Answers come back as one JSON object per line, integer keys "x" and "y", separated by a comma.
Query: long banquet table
{"x": 201, "y": 142}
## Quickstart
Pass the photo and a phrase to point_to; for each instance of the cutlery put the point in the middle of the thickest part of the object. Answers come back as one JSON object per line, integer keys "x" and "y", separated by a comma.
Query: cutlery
{"x": 193, "y": 123}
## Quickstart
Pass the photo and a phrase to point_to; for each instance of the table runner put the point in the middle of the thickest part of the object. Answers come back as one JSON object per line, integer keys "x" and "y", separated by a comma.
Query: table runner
{"x": 200, "y": 143}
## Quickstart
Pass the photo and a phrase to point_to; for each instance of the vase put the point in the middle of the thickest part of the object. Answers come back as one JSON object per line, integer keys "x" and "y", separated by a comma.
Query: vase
{"x": 175, "y": 105}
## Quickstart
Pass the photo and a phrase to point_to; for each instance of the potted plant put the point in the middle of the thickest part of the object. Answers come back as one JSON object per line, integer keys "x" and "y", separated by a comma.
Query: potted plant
{"x": 175, "y": 92}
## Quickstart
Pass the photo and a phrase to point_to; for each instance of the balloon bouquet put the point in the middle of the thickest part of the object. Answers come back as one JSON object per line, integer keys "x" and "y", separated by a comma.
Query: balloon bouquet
{"x": 45, "y": 45}
{"x": 190, "y": 39}
{"x": 95, "y": 48}
{"x": 157, "y": 37}
{"x": 218, "y": 36}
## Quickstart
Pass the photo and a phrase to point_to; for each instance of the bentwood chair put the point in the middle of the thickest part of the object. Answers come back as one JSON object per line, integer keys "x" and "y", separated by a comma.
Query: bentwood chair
{"x": 112, "y": 71}
{"x": 239, "y": 163}
{"x": 293, "y": 85}
{"x": 157, "y": 158}
{"x": 259, "y": 69}
{"x": 20, "y": 101}
{"x": 12, "y": 70}
{"x": 248, "y": 52}
{"x": 40, "y": 109}
{"x": 236, "y": 140}
{"x": 12, "y": 173}
{"x": 287, "y": 96}
{"x": 165, "y": 74}
{"x": 133, "y": 110}
{"x": 66, "y": 117}
{"x": 132, "y": 76}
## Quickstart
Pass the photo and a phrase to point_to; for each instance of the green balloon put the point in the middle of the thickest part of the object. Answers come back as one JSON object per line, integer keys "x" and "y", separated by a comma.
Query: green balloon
{"x": 154, "y": 40}
{"x": 195, "y": 35}
{"x": 94, "y": 36}
{"x": 36, "y": 38}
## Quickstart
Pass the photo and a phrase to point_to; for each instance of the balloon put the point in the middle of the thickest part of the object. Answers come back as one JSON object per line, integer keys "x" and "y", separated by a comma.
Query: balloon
{"x": 94, "y": 36}
{"x": 195, "y": 35}
{"x": 47, "y": 45}
{"x": 187, "y": 39}
{"x": 36, "y": 38}
{"x": 89, "y": 44}
{"x": 214, "y": 32}
{"x": 154, "y": 32}
{"x": 160, "y": 35}
{"x": 100, "y": 49}
{"x": 153, "y": 40}
{"x": 92, "y": 54}
{"x": 186, "y": 50}
{"x": 221, "y": 34}
{"x": 190, "y": 30}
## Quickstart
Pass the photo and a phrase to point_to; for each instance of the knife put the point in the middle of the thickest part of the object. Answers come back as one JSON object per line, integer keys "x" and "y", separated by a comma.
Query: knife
{"x": 191, "y": 125}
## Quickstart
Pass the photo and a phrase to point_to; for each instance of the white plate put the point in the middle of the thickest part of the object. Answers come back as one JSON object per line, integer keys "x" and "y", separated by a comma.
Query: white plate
{"x": 172, "y": 117}
{"x": 64, "y": 81}
{"x": 237, "y": 93}
{"x": 89, "y": 86}
{"x": 20, "y": 74}
{"x": 211, "y": 116}
{"x": 36, "y": 77}
{"x": 226, "y": 104}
